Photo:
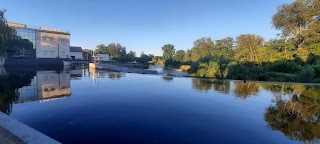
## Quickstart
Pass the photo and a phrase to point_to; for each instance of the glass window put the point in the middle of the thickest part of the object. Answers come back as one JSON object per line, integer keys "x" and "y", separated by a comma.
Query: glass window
{"x": 44, "y": 52}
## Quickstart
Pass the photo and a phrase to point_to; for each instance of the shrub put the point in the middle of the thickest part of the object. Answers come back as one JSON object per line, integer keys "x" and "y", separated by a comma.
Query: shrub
{"x": 306, "y": 74}
{"x": 236, "y": 71}
{"x": 194, "y": 67}
{"x": 279, "y": 77}
{"x": 317, "y": 80}
{"x": 317, "y": 70}
{"x": 285, "y": 67}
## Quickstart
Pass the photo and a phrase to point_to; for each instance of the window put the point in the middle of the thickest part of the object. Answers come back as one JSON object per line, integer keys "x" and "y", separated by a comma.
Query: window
{"x": 44, "y": 53}
{"x": 51, "y": 52}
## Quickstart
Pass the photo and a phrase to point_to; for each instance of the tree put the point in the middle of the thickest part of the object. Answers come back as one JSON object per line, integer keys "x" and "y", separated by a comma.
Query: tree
{"x": 224, "y": 47}
{"x": 115, "y": 50}
{"x": 168, "y": 51}
{"x": 7, "y": 34}
{"x": 295, "y": 18}
{"x": 223, "y": 64}
{"x": 187, "y": 56}
{"x": 101, "y": 49}
{"x": 179, "y": 56}
{"x": 247, "y": 47}
{"x": 201, "y": 48}
{"x": 284, "y": 49}
{"x": 131, "y": 56}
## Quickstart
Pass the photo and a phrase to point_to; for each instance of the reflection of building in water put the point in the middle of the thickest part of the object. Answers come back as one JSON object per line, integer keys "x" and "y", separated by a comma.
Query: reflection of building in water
{"x": 94, "y": 75}
{"x": 46, "y": 85}
{"x": 76, "y": 74}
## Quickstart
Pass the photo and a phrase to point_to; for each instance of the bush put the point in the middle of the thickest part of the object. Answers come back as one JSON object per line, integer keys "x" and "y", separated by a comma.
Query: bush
{"x": 194, "y": 67}
{"x": 237, "y": 71}
{"x": 317, "y": 70}
{"x": 306, "y": 74}
{"x": 278, "y": 77}
{"x": 317, "y": 80}
{"x": 285, "y": 67}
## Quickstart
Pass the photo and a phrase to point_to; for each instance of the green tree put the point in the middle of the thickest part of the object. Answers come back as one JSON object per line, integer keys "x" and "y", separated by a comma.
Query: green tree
{"x": 187, "y": 56}
{"x": 202, "y": 48}
{"x": 247, "y": 47}
{"x": 131, "y": 56}
{"x": 168, "y": 51}
{"x": 179, "y": 56}
{"x": 223, "y": 64}
{"x": 115, "y": 50}
{"x": 101, "y": 49}
{"x": 281, "y": 49}
{"x": 224, "y": 47}
{"x": 6, "y": 33}
{"x": 295, "y": 18}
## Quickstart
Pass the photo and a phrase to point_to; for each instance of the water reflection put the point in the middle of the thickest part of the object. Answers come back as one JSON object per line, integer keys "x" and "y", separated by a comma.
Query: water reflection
{"x": 295, "y": 112}
{"x": 95, "y": 75}
{"x": 9, "y": 85}
{"x": 115, "y": 76}
{"x": 25, "y": 86}
{"x": 204, "y": 85}
{"x": 245, "y": 90}
{"x": 167, "y": 78}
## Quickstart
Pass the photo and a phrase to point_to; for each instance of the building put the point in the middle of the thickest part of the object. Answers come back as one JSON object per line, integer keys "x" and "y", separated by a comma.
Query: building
{"x": 102, "y": 57}
{"x": 76, "y": 53}
{"x": 46, "y": 42}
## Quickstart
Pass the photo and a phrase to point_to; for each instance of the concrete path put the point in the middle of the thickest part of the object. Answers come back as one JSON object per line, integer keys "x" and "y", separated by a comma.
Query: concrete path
{"x": 8, "y": 138}
{"x": 15, "y": 132}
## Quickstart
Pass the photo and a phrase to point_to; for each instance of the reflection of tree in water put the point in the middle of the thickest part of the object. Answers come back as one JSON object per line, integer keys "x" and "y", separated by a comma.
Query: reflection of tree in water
{"x": 204, "y": 85}
{"x": 8, "y": 89}
{"x": 245, "y": 90}
{"x": 167, "y": 78}
{"x": 221, "y": 86}
{"x": 299, "y": 116}
{"x": 115, "y": 76}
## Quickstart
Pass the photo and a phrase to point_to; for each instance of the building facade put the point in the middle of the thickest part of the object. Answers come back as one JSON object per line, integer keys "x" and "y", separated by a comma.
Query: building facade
{"x": 76, "y": 53}
{"x": 46, "y": 42}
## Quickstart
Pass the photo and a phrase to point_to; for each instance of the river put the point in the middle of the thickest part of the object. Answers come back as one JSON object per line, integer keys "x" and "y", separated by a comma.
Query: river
{"x": 87, "y": 106}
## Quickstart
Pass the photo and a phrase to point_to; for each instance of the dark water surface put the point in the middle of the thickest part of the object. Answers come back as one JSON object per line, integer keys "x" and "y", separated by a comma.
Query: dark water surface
{"x": 78, "y": 106}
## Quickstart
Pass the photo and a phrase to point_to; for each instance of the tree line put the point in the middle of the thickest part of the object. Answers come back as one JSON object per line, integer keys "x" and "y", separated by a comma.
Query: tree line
{"x": 10, "y": 42}
{"x": 117, "y": 52}
{"x": 292, "y": 56}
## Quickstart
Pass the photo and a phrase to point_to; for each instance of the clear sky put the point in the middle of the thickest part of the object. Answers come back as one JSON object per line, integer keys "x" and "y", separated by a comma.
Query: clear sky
{"x": 146, "y": 25}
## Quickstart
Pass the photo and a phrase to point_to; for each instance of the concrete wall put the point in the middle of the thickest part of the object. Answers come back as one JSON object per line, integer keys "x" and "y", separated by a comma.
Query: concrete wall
{"x": 52, "y": 45}
{"x": 27, "y": 62}
{"x": 77, "y": 55}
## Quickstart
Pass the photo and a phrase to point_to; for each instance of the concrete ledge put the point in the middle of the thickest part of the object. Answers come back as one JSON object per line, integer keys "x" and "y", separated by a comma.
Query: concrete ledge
{"x": 24, "y": 132}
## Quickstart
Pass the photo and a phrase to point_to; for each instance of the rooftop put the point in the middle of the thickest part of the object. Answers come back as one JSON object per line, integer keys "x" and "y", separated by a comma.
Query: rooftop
{"x": 75, "y": 49}
{"x": 38, "y": 28}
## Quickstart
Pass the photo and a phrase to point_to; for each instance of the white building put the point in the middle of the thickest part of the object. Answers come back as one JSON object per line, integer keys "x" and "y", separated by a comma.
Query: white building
{"x": 47, "y": 42}
{"x": 102, "y": 57}
{"x": 76, "y": 53}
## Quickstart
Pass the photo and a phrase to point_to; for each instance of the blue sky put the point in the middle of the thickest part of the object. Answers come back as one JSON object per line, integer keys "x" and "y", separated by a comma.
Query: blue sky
{"x": 146, "y": 25}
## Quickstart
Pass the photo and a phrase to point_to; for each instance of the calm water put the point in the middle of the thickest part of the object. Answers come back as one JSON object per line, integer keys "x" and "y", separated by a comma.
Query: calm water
{"x": 80, "y": 106}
